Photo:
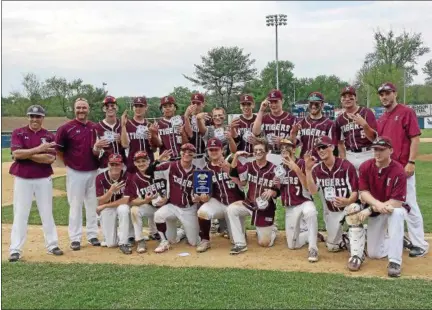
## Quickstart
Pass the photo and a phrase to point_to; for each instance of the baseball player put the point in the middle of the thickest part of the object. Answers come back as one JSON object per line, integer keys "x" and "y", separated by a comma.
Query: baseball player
{"x": 135, "y": 133}
{"x": 260, "y": 201}
{"x": 75, "y": 141}
{"x": 276, "y": 125}
{"x": 383, "y": 187}
{"x": 337, "y": 181}
{"x": 355, "y": 129}
{"x": 399, "y": 123}
{"x": 33, "y": 151}
{"x": 312, "y": 126}
{"x": 110, "y": 191}
{"x": 297, "y": 201}
{"x": 225, "y": 192}
{"x": 181, "y": 204}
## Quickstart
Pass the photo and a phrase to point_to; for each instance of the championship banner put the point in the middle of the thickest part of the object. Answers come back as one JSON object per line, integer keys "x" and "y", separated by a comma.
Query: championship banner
{"x": 202, "y": 182}
{"x": 422, "y": 110}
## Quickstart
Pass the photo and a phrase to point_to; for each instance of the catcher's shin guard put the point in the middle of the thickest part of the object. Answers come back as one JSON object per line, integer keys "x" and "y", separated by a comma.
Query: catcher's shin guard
{"x": 356, "y": 235}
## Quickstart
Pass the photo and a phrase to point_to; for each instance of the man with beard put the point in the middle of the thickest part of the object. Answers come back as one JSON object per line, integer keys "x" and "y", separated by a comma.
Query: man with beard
{"x": 313, "y": 126}
{"x": 225, "y": 192}
{"x": 75, "y": 142}
{"x": 275, "y": 126}
{"x": 400, "y": 124}
{"x": 355, "y": 129}
{"x": 260, "y": 202}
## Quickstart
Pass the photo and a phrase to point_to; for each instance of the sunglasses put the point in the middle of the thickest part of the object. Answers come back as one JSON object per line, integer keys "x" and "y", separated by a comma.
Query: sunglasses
{"x": 322, "y": 147}
{"x": 81, "y": 99}
{"x": 35, "y": 116}
{"x": 246, "y": 104}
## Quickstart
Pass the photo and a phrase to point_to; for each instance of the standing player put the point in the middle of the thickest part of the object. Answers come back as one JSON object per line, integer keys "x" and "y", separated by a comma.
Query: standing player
{"x": 297, "y": 202}
{"x": 382, "y": 186}
{"x": 225, "y": 192}
{"x": 276, "y": 125}
{"x": 399, "y": 123}
{"x": 355, "y": 129}
{"x": 75, "y": 147}
{"x": 33, "y": 151}
{"x": 260, "y": 202}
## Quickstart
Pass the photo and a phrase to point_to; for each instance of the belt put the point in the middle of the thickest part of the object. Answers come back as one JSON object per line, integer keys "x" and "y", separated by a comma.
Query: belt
{"x": 361, "y": 150}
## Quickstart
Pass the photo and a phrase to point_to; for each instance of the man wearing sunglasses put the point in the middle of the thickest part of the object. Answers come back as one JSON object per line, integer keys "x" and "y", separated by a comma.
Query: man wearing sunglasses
{"x": 400, "y": 124}
{"x": 260, "y": 202}
{"x": 275, "y": 125}
{"x": 382, "y": 186}
{"x": 355, "y": 129}
{"x": 33, "y": 152}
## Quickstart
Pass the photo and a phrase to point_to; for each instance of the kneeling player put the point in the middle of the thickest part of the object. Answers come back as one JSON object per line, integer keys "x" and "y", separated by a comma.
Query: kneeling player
{"x": 225, "y": 192}
{"x": 297, "y": 201}
{"x": 260, "y": 202}
{"x": 383, "y": 186}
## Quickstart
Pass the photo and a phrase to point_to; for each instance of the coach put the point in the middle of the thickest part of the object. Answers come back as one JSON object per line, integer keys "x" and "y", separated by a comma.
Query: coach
{"x": 75, "y": 141}
{"x": 399, "y": 123}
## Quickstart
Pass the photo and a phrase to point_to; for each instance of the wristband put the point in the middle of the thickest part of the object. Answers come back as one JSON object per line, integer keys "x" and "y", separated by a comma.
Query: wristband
{"x": 411, "y": 162}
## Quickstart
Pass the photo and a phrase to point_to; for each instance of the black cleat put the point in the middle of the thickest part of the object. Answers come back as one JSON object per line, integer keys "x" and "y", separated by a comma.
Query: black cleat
{"x": 94, "y": 242}
{"x": 394, "y": 270}
{"x": 125, "y": 249}
{"x": 407, "y": 244}
{"x": 14, "y": 257}
{"x": 75, "y": 246}
{"x": 237, "y": 249}
{"x": 131, "y": 241}
{"x": 416, "y": 251}
{"x": 155, "y": 236}
{"x": 56, "y": 251}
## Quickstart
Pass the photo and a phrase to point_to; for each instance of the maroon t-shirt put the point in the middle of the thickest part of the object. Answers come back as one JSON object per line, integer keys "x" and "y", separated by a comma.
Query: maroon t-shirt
{"x": 245, "y": 125}
{"x": 139, "y": 140}
{"x": 292, "y": 191}
{"x": 352, "y": 134}
{"x": 224, "y": 189}
{"x": 400, "y": 125}
{"x": 259, "y": 180}
{"x": 76, "y": 141}
{"x": 139, "y": 186}
{"x": 312, "y": 129}
{"x": 104, "y": 131}
{"x": 341, "y": 181}
{"x": 180, "y": 182}
{"x": 171, "y": 138}
{"x": 279, "y": 126}
{"x": 104, "y": 183}
{"x": 25, "y": 138}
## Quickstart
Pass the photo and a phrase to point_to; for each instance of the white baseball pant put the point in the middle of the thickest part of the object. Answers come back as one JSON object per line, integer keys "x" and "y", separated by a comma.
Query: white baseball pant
{"x": 293, "y": 216}
{"x": 22, "y": 202}
{"x": 137, "y": 213}
{"x": 109, "y": 225}
{"x": 334, "y": 229}
{"x": 214, "y": 209}
{"x": 414, "y": 218}
{"x": 170, "y": 213}
{"x": 358, "y": 158}
{"x": 379, "y": 243}
{"x": 81, "y": 189}
{"x": 237, "y": 214}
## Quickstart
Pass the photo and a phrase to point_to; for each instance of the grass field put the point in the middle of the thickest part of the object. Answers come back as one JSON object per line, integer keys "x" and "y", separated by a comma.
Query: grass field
{"x": 426, "y": 133}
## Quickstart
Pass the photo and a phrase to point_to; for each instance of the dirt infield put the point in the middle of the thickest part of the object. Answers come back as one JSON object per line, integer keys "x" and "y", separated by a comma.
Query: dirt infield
{"x": 278, "y": 257}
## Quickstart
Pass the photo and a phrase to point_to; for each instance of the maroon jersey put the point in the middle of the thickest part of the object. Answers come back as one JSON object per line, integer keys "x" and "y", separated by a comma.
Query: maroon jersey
{"x": 277, "y": 126}
{"x": 400, "y": 125}
{"x": 197, "y": 140}
{"x": 25, "y": 138}
{"x": 139, "y": 186}
{"x": 352, "y": 134}
{"x": 104, "y": 183}
{"x": 244, "y": 129}
{"x": 180, "y": 182}
{"x": 341, "y": 181}
{"x": 312, "y": 129}
{"x": 170, "y": 136}
{"x": 139, "y": 140}
{"x": 104, "y": 130}
{"x": 292, "y": 191}
{"x": 76, "y": 140}
{"x": 259, "y": 180}
{"x": 224, "y": 189}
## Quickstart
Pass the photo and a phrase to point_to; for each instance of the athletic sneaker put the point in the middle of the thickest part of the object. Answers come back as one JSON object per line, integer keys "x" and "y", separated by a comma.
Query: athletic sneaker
{"x": 154, "y": 236}
{"x": 125, "y": 249}
{"x": 354, "y": 263}
{"x": 416, "y": 251}
{"x": 313, "y": 255}
{"x": 203, "y": 246}
{"x": 394, "y": 270}
{"x": 407, "y": 244}
{"x": 94, "y": 242}
{"x": 56, "y": 251}
{"x": 237, "y": 249}
{"x": 75, "y": 246}
{"x": 181, "y": 234}
{"x": 141, "y": 247}
{"x": 320, "y": 237}
{"x": 14, "y": 257}
{"x": 163, "y": 246}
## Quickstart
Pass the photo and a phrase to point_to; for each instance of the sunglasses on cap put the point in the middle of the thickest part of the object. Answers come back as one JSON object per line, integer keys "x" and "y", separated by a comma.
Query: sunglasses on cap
{"x": 385, "y": 88}
{"x": 322, "y": 147}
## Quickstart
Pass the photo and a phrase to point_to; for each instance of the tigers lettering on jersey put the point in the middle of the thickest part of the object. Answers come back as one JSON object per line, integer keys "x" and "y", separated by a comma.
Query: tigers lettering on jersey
{"x": 224, "y": 189}
{"x": 170, "y": 136}
{"x": 138, "y": 141}
{"x": 312, "y": 129}
{"x": 292, "y": 191}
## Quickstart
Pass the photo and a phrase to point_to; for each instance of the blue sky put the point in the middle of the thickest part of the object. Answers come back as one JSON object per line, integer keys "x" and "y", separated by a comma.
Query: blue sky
{"x": 145, "y": 47}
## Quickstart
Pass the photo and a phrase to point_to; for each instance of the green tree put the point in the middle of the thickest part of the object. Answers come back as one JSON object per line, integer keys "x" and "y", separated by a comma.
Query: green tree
{"x": 94, "y": 96}
{"x": 61, "y": 91}
{"x": 427, "y": 69}
{"x": 33, "y": 87}
{"x": 286, "y": 78}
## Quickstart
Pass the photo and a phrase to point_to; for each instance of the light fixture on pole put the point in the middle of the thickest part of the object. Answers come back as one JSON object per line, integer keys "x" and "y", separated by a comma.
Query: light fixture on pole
{"x": 367, "y": 85}
{"x": 276, "y": 20}
{"x": 104, "y": 88}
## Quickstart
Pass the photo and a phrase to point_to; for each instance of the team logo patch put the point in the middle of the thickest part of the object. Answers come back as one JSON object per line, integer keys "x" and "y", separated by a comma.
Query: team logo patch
{"x": 273, "y": 95}
{"x": 35, "y": 109}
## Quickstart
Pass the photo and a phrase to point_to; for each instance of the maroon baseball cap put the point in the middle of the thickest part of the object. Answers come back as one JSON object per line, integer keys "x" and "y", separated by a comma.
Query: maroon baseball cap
{"x": 140, "y": 154}
{"x": 166, "y": 100}
{"x": 140, "y": 100}
{"x": 348, "y": 90}
{"x": 274, "y": 95}
{"x": 323, "y": 141}
{"x": 188, "y": 147}
{"x": 109, "y": 99}
{"x": 197, "y": 97}
{"x": 315, "y": 96}
{"x": 115, "y": 158}
{"x": 387, "y": 87}
{"x": 247, "y": 98}
{"x": 382, "y": 143}
{"x": 214, "y": 143}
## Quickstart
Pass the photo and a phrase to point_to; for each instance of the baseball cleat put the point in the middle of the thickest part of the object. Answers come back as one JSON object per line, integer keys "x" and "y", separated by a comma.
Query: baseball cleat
{"x": 354, "y": 263}
{"x": 154, "y": 236}
{"x": 162, "y": 247}
{"x": 94, "y": 242}
{"x": 313, "y": 255}
{"x": 394, "y": 270}
{"x": 75, "y": 246}
{"x": 407, "y": 244}
{"x": 141, "y": 248}
{"x": 320, "y": 237}
{"x": 416, "y": 251}
{"x": 237, "y": 249}
{"x": 104, "y": 244}
{"x": 131, "y": 241}
{"x": 14, "y": 257}
{"x": 56, "y": 251}
{"x": 203, "y": 246}
{"x": 125, "y": 249}
{"x": 181, "y": 234}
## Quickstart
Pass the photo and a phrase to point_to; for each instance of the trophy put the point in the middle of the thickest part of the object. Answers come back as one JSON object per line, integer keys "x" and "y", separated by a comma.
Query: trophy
{"x": 142, "y": 132}
{"x": 109, "y": 135}
{"x": 176, "y": 122}
{"x": 279, "y": 171}
{"x": 202, "y": 182}
{"x": 219, "y": 133}
{"x": 247, "y": 135}
{"x": 261, "y": 203}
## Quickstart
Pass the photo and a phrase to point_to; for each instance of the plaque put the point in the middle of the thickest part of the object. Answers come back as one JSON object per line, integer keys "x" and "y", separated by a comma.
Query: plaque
{"x": 202, "y": 182}
{"x": 279, "y": 171}
{"x": 261, "y": 203}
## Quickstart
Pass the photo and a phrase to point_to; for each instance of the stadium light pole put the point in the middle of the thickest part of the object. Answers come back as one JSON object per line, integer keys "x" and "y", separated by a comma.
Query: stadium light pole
{"x": 276, "y": 21}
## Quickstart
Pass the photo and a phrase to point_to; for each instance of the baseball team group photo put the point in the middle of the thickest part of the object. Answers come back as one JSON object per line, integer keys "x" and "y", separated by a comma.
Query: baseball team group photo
{"x": 248, "y": 181}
